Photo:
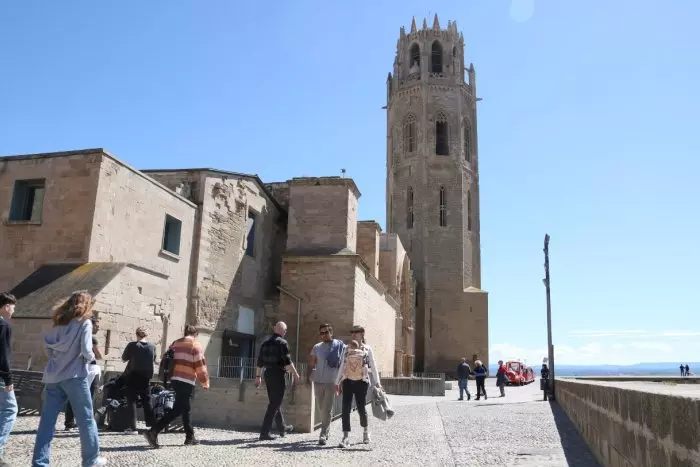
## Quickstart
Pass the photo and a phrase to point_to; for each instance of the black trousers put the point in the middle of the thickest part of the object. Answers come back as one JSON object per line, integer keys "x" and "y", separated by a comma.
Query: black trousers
{"x": 181, "y": 408}
{"x": 70, "y": 416}
{"x": 275, "y": 383}
{"x": 358, "y": 390}
{"x": 480, "y": 387}
{"x": 138, "y": 388}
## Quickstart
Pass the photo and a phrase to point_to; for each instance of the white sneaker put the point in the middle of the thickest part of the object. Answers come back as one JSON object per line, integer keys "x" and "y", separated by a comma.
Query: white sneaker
{"x": 345, "y": 442}
{"x": 365, "y": 437}
{"x": 131, "y": 432}
{"x": 100, "y": 461}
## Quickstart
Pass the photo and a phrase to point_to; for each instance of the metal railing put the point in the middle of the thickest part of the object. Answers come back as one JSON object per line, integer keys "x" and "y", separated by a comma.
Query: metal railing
{"x": 243, "y": 369}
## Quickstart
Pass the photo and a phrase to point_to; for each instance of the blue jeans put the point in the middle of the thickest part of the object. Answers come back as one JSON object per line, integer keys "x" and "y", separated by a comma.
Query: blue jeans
{"x": 463, "y": 387}
{"x": 77, "y": 392}
{"x": 8, "y": 414}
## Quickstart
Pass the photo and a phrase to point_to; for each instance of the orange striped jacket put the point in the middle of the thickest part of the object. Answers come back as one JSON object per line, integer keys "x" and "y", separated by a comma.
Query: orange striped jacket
{"x": 189, "y": 365}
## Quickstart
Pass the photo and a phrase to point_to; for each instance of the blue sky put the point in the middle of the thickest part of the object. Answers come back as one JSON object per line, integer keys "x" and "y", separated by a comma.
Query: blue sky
{"x": 585, "y": 133}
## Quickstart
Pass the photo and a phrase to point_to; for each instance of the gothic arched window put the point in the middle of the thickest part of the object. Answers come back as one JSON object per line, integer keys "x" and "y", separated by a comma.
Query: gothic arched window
{"x": 409, "y": 210}
{"x": 443, "y": 207}
{"x": 409, "y": 133}
{"x": 436, "y": 58}
{"x": 415, "y": 55}
{"x": 442, "y": 147}
{"x": 467, "y": 142}
{"x": 469, "y": 211}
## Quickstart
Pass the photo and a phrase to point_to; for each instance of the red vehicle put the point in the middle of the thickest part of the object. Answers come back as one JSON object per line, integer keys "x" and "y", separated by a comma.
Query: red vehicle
{"x": 518, "y": 373}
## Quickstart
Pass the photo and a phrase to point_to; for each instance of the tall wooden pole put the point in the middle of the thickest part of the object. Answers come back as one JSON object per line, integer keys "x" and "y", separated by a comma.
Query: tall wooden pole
{"x": 550, "y": 347}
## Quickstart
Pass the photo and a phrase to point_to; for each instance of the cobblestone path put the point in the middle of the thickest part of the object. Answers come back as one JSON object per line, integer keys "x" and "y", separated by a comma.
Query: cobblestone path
{"x": 518, "y": 430}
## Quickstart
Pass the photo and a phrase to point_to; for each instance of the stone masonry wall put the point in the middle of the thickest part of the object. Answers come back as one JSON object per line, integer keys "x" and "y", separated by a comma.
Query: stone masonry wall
{"x": 326, "y": 287}
{"x": 63, "y": 233}
{"x": 231, "y": 403}
{"x": 322, "y": 215}
{"x": 224, "y": 276}
{"x": 368, "y": 245}
{"x": 629, "y": 428}
{"x": 28, "y": 343}
{"x": 376, "y": 311}
{"x": 129, "y": 224}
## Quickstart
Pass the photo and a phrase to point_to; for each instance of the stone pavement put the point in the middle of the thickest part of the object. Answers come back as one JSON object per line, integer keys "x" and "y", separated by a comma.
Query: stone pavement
{"x": 518, "y": 430}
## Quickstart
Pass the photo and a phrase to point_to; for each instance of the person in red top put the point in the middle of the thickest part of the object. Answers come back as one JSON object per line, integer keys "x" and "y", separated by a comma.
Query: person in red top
{"x": 501, "y": 378}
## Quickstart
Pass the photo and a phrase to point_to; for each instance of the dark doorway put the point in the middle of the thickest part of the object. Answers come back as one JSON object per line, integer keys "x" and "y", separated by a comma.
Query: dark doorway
{"x": 237, "y": 355}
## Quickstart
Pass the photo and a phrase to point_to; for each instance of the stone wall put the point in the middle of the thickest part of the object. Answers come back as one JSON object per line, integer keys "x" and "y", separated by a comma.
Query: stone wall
{"x": 326, "y": 286}
{"x": 129, "y": 225}
{"x": 322, "y": 215}
{"x": 368, "y": 245}
{"x": 62, "y": 232}
{"x": 376, "y": 311}
{"x": 632, "y": 428}
{"x": 232, "y": 403}
{"x": 28, "y": 343}
{"x": 225, "y": 278}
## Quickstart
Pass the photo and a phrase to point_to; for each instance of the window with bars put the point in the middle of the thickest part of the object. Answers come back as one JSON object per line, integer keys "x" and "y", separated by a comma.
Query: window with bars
{"x": 442, "y": 147}
{"x": 443, "y": 207}
{"x": 409, "y": 129}
{"x": 436, "y": 58}
{"x": 415, "y": 55}
{"x": 469, "y": 211}
{"x": 409, "y": 205}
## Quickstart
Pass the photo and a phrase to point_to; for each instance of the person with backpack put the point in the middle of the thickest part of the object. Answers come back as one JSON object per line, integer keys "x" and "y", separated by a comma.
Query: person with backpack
{"x": 358, "y": 371}
{"x": 324, "y": 363}
{"x": 141, "y": 357}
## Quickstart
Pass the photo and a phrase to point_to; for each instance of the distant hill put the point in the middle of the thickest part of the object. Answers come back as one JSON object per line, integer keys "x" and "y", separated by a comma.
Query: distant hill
{"x": 638, "y": 369}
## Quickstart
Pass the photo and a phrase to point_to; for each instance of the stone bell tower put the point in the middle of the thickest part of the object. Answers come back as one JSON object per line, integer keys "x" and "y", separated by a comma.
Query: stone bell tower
{"x": 433, "y": 192}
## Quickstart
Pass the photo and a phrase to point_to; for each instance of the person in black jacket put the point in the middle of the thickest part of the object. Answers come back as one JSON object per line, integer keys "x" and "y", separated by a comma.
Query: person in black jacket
{"x": 463, "y": 373}
{"x": 141, "y": 357}
{"x": 544, "y": 383}
{"x": 8, "y": 402}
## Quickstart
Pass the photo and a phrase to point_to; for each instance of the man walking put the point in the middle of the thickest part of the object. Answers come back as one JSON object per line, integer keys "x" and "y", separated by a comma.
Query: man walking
{"x": 69, "y": 420}
{"x": 463, "y": 372}
{"x": 274, "y": 357}
{"x": 8, "y": 403}
{"x": 189, "y": 366}
{"x": 324, "y": 363}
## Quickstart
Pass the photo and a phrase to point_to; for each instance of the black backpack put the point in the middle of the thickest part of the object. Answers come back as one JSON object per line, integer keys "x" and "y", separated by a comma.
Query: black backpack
{"x": 167, "y": 364}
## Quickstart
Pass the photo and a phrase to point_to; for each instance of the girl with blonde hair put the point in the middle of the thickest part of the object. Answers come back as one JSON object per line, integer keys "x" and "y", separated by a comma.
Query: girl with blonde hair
{"x": 69, "y": 348}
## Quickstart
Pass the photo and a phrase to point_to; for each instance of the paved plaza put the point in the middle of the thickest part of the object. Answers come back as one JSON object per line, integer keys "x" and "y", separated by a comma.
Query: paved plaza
{"x": 518, "y": 430}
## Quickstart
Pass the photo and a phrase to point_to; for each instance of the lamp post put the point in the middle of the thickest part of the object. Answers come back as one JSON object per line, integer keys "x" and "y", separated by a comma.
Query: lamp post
{"x": 550, "y": 347}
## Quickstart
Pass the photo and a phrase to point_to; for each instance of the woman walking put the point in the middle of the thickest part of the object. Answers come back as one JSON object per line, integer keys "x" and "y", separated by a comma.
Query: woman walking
{"x": 69, "y": 349}
{"x": 357, "y": 371}
{"x": 141, "y": 357}
{"x": 480, "y": 373}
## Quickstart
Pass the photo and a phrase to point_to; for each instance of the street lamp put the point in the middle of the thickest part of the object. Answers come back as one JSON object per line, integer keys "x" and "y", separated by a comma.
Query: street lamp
{"x": 550, "y": 347}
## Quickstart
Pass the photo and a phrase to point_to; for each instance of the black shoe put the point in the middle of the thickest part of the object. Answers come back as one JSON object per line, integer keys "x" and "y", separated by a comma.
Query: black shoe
{"x": 461, "y": 399}
{"x": 267, "y": 437}
{"x": 71, "y": 426}
{"x": 287, "y": 429}
{"x": 152, "y": 438}
{"x": 191, "y": 441}
{"x": 469, "y": 397}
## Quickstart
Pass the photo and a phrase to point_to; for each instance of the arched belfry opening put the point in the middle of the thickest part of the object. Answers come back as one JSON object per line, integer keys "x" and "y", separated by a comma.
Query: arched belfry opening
{"x": 436, "y": 58}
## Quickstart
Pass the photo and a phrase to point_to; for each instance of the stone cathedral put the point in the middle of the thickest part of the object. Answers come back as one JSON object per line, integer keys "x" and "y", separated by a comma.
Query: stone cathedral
{"x": 433, "y": 192}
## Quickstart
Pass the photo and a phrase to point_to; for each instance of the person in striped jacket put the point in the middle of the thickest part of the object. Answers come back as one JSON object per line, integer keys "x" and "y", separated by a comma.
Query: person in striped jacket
{"x": 189, "y": 366}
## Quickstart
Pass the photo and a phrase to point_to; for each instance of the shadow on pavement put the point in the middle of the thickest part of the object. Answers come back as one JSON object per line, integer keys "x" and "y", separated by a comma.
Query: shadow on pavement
{"x": 575, "y": 448}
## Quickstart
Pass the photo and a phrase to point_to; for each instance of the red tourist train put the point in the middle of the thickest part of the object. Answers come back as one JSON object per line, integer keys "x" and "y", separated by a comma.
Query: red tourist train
{"x": 518, "y": 373}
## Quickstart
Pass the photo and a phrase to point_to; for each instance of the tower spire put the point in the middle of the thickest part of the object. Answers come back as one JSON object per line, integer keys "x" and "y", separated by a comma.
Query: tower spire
{"x": 413, "y": 25}
{"x": 436, "y": 23}
{"x": 425, "y": 23}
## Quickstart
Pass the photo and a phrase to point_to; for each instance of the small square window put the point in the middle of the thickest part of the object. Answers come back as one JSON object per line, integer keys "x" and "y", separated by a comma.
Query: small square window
{"x": 171, "y": 235}
{"x": 250, "y": 235}
{"x": 27, "y": 200}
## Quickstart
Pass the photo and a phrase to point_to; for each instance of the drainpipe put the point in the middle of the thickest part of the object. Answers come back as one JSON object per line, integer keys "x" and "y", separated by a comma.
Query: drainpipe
{"x": 283, "y": 290}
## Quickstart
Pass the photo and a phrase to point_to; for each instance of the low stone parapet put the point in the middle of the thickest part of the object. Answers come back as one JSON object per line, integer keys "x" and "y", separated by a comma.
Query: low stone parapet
{"x": 635, "y": 423}
{"x": 413, "y": 386}
{"x": 231, "y": 403}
